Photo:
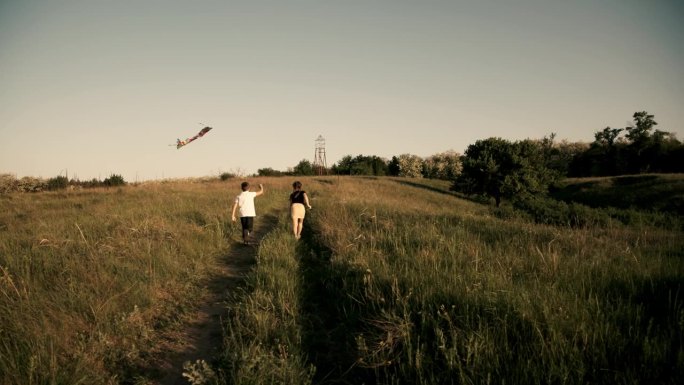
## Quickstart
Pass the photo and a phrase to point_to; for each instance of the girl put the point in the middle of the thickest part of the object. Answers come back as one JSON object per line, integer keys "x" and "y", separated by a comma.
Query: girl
{"x": 298, "y": 199}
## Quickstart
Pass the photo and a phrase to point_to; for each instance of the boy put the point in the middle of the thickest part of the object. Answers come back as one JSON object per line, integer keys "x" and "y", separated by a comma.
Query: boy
{"x": 247, "y": 211}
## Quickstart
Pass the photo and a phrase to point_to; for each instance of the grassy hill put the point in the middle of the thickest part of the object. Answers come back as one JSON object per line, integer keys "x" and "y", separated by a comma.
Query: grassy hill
{"x": 395, "y": 281}
{"x": 650, "y": 192}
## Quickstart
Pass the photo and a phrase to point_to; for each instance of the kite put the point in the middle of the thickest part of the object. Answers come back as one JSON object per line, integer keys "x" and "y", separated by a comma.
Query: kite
{"x": 181, "y": 143}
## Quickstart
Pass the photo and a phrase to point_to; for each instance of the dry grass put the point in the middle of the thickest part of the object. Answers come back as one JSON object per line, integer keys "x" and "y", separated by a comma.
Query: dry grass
{"x": 395, "y": 281}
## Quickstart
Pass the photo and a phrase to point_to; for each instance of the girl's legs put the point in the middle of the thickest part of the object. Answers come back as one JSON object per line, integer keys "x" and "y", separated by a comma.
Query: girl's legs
{"x": 300, "y": 223}
{"x": 294, "y": 226}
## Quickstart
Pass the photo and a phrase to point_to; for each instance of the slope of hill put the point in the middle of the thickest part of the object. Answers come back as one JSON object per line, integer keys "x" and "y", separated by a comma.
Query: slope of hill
{"x": 657, "y": 192}
{"x": 394, "y": 281}
{"x": 399, "y": 281}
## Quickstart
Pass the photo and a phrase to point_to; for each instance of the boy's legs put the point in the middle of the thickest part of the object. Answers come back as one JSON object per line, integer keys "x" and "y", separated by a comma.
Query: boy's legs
{"x": 247, "y": 226}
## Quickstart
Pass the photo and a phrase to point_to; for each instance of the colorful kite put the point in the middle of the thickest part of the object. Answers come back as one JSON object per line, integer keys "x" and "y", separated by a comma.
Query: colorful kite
{"x": 181, "y": 143}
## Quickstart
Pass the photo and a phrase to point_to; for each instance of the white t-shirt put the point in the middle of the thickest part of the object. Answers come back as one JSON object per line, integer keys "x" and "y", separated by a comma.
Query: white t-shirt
{"x": 245, "y": 202}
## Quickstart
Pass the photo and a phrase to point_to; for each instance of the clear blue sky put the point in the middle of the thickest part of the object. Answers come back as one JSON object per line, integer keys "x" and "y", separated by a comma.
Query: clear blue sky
{"x": 101, "y": 86}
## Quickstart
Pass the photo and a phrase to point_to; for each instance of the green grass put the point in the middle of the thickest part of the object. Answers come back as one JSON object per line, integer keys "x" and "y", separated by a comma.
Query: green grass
{"x": 395, "y": 281}
{"x": 401, "y": 282}
{"x": 648, "y": 192}
{"x": 90, "y": 280}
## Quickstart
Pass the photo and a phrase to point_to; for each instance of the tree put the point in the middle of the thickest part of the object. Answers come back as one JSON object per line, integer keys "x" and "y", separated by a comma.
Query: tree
{"x": 608, "y": 136}
{"x": 114, "y": 180}
{"x": 560, "y": 156}
{"x": 268, "y": 171}
{"x": 57, "y": 183}
{"x": 304, "y": 167}
{"x": 361, "y": 165}
{"x": 501, "y": 169}
{"x": 344, "y": 166}
{"x": 640, "y": 131}
{"x": 393, "y": 167}
{"x": 410, "y": 166}
{"x": 446, "y": 165}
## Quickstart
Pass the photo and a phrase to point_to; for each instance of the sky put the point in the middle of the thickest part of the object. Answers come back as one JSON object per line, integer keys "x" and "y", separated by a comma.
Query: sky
{"x": 90, "y": 88}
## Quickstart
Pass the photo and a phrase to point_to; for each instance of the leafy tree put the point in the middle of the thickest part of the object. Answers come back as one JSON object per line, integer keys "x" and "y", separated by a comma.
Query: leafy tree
{"x": 393, "y": 167}
{"x": 57, "y": 183}
{"x": 608, "y": 136}
{"x": 501, "y": 169}
{"x": 640, "y": 131}
{"x": 304, "y": 167}
{"x": 361, "y": 165}
{"x": 446, "y": 165}
{"x": 8, "y": 183}
{"x": 642, "y": 149}
{"x": 377, "y": 164}
{"x": 563, "y": 155}
{"x": 114, "y": 180}
{"x": 268, "y": 171}
{"x": 344, "y": 166}
{"x": 410, "y": 166}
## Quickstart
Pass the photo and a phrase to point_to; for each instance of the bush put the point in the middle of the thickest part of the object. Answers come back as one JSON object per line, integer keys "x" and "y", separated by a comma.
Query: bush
{"x": 552, "y": 212}
{"x": 31, "y": 184}
{"x": 114, "y": 180}
{"x": 8, "y": 183}
{"x": 268, "y": 171}
{"x": 57, "y": 183}
{"x": 226, "y": 175}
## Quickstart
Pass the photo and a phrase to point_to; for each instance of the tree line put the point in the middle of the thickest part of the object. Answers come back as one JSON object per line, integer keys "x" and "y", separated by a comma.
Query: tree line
{"x": 494, "y": 167}
{"x": 503, "y": 169}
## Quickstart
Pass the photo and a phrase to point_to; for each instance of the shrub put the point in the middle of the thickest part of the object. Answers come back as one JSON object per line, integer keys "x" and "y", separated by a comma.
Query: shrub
{"x": 31, "y": 184}
{"x": 552, "y": 212}
{"x": 114, "y": 180}
{"x": 268, "y": 171}
{"x": 8, "y": 183}
{"x": 410, "y": 166}
{"x": 446, "y": 166}
{"x": 57, "y": 183}
{"x": 226, "y": 175}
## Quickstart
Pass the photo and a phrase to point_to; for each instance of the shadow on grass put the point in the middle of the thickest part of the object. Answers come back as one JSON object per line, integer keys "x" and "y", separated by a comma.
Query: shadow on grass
{"x": 201, "y": 335}
{"x": 331, "y": 318}
{"x": 473, "y": 198}
{"x": 426, "y": 187}
{"x": 647, "y": 312}
{"x": 336, "y": 313}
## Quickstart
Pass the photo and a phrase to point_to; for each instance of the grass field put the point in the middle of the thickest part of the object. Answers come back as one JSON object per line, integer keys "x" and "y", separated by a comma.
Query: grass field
{"x": 395, "y": 281}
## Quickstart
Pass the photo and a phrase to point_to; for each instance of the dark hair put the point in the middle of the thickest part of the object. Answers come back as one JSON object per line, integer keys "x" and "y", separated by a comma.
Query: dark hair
{"x": 297, "y": 185}
{"x": 245, "y": 186}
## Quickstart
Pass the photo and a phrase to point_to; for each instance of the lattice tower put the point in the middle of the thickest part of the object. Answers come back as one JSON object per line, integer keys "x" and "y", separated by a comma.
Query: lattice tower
{"x": 320, "y": 164}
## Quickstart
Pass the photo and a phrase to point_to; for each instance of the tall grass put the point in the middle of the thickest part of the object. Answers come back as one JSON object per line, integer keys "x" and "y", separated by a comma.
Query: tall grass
{"x": 263, "y": 338}
{"x": 90, "y": 280}
{"x": 395, "y": 281}
{"x": 401, "y": 282}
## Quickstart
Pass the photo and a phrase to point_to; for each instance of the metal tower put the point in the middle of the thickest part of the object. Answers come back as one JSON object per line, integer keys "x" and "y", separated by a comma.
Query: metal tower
{"x": 320, "y": 166}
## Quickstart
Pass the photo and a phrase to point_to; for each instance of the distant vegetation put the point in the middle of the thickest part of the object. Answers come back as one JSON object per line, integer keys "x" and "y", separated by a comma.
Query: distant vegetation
{"x": 646, "y": 192}
{"x": 403, "y": 276}
{"x": 9, "y": 183}
{"x": 494, "y": 167}
{"x": 396, "y": 280}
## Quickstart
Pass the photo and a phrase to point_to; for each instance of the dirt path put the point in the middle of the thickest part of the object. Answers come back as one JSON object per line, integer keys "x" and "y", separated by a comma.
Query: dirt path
{"x": 201, "y": 338}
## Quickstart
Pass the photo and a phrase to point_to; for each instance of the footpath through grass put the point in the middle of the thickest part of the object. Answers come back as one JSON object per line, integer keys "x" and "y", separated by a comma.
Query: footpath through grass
{"x": 93, "y": 281}
{"x": 395, "y": 282}
{"x": 404, "y": 283}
